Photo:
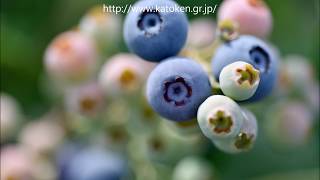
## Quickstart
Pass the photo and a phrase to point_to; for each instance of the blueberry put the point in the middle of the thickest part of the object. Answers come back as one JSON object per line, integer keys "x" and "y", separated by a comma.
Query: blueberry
{"x": 71, "y": 57}
{"x": 16, "y": 162}
{"x": 239, "y": 80}
{"x": 253, "y": 51}
{"x": 43, "y": 135}
{"x": 153, "y": 33}
{"x": 63, "y": 156}
{"x": 103, "y": 27}
{"x": 86, "y": 99}
{"x": 193, "y": 167}
{"x": 219, "y": 117}
{"x": 260, "y": 58}
{"x": 290, "y": 125}
{"x": 177, "y": 87}
{"x": 201, "y": 32}
{"x": 166, "y": 146}
{"x": 252, "y": 16}
{"x": 123, "y": 73}
{"x": 95, "y": 164}
{"x": 244, "y": 140}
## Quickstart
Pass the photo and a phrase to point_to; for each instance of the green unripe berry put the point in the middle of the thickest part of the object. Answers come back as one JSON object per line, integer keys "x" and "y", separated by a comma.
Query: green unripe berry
{"x": 239, "y": 80}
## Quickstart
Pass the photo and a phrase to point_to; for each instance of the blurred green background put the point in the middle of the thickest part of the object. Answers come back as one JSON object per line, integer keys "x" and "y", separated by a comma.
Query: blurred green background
{"x": 28, "y": 26}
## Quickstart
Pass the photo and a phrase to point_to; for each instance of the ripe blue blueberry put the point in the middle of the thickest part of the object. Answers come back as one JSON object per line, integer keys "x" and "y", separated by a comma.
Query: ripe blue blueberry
{"x": 153, "y": 33}
{"x": 63, "y": 157}
{"x": 253, "y": 51}
{"x": 95, "y": 164}
{"x": 177, "y": 87}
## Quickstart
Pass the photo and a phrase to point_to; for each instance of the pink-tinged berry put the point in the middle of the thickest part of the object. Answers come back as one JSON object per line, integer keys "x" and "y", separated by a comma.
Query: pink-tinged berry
{"x": 15, "y": 163}
{"x": 253, "y": 16}
{"x": 296, "y": 73}
{"x": 289, "y": 123}
{"x": 71, "y": 56}
{"x": 42, "y": 136}
{"x": 124, "y": 73}
{"x": 87, "y": 99}
{"x": 201, "y": 33}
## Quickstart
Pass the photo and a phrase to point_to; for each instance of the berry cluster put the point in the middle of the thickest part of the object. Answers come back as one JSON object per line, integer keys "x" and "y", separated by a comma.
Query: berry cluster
{"x": 183, "y": 87}
{"x": 144, "y": 115}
